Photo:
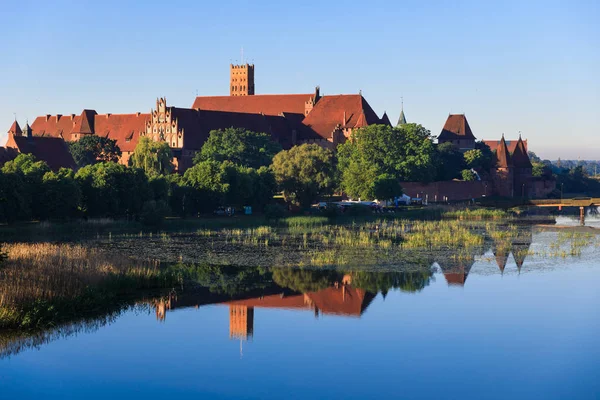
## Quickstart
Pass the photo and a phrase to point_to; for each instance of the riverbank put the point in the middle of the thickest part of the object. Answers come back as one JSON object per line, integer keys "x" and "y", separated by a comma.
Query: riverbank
{"x": 77, "y": 230}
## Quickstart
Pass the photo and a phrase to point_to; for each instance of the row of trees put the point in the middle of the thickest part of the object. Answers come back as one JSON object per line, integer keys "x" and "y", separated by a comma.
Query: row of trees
{"x": 235, "y": 167}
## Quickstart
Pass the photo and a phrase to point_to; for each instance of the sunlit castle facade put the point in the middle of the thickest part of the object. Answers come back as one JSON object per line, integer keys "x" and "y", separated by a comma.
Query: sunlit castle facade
{"x": 290, "y": 119}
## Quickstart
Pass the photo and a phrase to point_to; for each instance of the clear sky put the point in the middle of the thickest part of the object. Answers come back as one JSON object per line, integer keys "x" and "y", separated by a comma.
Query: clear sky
{"x": 529, "y": 66}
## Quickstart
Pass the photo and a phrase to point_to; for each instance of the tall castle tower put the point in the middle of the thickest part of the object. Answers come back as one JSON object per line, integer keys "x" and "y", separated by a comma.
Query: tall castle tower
{"x": 241, "y": 80}
{"x": 241, "y": 322}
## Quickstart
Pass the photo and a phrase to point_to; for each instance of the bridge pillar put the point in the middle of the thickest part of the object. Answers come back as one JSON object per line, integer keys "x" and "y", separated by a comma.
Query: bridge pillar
{"x": 582, "y": 216}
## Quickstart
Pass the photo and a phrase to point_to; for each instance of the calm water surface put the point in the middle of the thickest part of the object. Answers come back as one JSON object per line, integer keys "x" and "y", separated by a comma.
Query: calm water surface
{"x": 483, "y": 333}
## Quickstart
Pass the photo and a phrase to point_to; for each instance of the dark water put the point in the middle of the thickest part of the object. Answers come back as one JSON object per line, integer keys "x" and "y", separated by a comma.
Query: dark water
{"x": 478, "y": 332}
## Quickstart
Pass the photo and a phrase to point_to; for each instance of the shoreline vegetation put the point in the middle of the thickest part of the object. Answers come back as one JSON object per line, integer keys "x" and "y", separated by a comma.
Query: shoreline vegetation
{"x": 71, "y": 230}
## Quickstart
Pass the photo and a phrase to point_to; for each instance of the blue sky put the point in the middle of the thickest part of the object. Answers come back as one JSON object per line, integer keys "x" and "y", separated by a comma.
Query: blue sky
{"x": 528, "y": 66}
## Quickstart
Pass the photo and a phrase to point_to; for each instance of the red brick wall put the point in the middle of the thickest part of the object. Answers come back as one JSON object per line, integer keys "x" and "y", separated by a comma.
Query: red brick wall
{"x": 453, "y": 190}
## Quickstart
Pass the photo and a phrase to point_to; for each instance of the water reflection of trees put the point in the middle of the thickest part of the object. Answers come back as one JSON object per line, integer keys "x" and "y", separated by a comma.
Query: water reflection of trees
{"x": 217, "y": 284}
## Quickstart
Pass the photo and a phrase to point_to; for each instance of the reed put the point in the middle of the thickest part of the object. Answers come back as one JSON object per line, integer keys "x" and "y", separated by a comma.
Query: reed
{"x": 477, "y": 214}
{"x": 41, "y": 282}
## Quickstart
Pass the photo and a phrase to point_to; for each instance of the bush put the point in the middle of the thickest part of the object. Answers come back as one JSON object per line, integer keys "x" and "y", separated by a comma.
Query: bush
{"x": 154, "y": 212}
{"x": 468, "y": 175}
{"x": 275, "y": 211}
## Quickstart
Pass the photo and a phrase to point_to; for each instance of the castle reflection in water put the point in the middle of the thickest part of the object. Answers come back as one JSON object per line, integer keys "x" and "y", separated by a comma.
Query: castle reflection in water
{"x": 346, "y": 294}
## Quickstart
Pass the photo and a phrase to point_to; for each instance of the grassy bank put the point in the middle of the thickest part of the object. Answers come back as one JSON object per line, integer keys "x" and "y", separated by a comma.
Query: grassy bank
{"x": 44, "y": 284}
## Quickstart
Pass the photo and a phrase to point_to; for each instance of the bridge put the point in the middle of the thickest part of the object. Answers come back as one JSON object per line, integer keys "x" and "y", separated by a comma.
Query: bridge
{"x": 581, "y": 202}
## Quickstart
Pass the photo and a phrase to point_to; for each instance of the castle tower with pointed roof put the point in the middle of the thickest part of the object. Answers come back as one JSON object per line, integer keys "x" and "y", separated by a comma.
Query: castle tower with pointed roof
{"x": 503, "y": 175}
{"x": 15, "y": 129}
{"x": 523, "y": 170}
{"x": 458, "y": 132}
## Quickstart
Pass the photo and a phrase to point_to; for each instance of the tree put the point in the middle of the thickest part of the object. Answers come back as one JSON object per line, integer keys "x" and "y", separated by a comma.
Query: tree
{"x": 92, "y": 149}
{"x": 209, "y": 180}
{"x": 304, "y": 173}
{"x": 112, "y": 190}
{"x": 450, "y": 162}
{"x": 32, "y": 173}
{"x": 15, "y": 199}
{"x": 358, "y": 178}
{"x": 60, "y": 195}
{"x": 487, "y": 160}
{"x": 474, "y": 158}
{"x": 406, "y": 152}
{"x": 468, "y": 175}
{"x": 225, "y": 183}
{"x": 182, "y": 197}
{"x": 240, "y": 146}
{"x": 153, "y": 157}
{"x": 386, "y": 187}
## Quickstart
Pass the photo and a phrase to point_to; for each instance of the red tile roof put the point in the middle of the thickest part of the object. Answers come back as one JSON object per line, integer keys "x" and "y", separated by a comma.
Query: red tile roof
{"x": 456, "y": 127}
{"x": 54, "y": 125}
{"x": 502, "y": 155}
{"x": 501, "y": 255}
{"x": 455, "y": 278}
{"x": 345, "y": 110}
{"x": 124, "y": 128}
{"x": 511, "y": 144}
{"x": 520, "y": 157}
{"x": 346, "y": 300}
{"x": 197, "y": 125}
{"x": 15, "y": 129}
{"x": 269, "y": 104}
{"x": 54, "y": 151}
{"x": 85, "y": 123}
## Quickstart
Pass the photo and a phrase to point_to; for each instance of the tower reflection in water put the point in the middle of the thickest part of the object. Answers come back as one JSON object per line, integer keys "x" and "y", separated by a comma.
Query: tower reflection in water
{"x": 332, "y": 292}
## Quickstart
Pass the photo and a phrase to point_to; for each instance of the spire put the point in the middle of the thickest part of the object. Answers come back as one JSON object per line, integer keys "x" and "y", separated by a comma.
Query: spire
{"x": 27, "y": 130}
{"x": 385, "y": 119}
{"x": 520, "y": 157}
{"x": 15, "y": 129}
{"x": 402, "y": 119}
{"x": 502, "y": 155}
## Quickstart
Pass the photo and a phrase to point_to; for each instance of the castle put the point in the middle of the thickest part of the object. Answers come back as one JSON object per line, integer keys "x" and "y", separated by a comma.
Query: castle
{"x": 290, "y": 119}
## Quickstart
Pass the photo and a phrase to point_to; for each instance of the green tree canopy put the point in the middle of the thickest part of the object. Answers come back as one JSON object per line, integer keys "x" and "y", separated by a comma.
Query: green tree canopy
{"x": 32, "y": 173}
{"x": 304, "y": 172}
{"x": 225, "y": 183}
{"x": 111, "y": 189}
{"x": 487, "y": 160}
{"x": 468, "y": 175}
{"x": 15, "y": 198}
{"x": 474, "y": 158}
{"x": 92, "y": 149}
{"x": 405, "y": 153}
{"x": 450, "y": 162}
{"x": 240, "y": 146}
{"x": 153, "y": 157}
{"x": 60, "y": 194}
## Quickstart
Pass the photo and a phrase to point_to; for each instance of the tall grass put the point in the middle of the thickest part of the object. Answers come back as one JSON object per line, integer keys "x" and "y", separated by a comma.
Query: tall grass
{"x": 40, "y": 283}
{"x": 477, "y": 214}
